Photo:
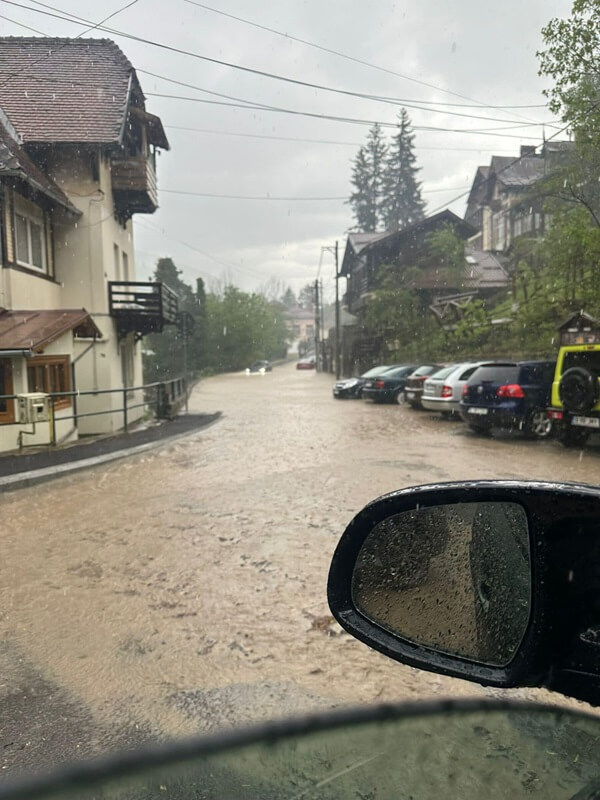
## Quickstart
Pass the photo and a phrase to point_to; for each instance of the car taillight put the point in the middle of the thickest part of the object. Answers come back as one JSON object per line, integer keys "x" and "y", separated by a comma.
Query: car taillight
{"x": 465, "y": 390}
{"x": 510, "y": 390}
{"x": 446, "y": 391}
{"x": 422, "y": 377}
{"x": 379, "y": 384}
{"x": 555, "y": 414}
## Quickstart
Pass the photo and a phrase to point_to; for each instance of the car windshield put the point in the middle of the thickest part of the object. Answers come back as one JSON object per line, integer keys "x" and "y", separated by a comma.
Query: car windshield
{"x": 213, "y": 215}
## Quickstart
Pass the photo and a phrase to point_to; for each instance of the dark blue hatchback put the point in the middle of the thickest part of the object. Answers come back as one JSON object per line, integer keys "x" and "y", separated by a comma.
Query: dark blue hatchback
{"x": 511, "y": 395}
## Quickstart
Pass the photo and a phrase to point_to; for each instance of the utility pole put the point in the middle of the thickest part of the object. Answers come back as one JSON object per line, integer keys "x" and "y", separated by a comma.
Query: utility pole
{"x": 317, "y": 324}
{"x": 338, "y": 366}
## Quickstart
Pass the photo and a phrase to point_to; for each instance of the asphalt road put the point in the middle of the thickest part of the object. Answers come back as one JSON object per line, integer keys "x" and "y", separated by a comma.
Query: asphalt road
{"x": 184, "y": 590}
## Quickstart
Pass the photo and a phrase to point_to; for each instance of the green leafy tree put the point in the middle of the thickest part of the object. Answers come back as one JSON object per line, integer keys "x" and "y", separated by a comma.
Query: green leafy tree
{"x": 402, "y": 203}
{"x": 243, "y": 328}
{"x": 572, "y": 59}
{"x": 447, "y": 250}
{"x": 367, "y": 182}
{"x": 164, "y": 351}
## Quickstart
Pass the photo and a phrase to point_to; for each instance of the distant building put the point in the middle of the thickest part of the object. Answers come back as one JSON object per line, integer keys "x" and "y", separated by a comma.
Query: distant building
{"x": 301, "y": 325}
{"x": 502, "y": 204}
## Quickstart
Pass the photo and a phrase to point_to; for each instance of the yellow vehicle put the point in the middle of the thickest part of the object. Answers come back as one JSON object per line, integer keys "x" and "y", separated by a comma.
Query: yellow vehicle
{"x": 575, "y": 399}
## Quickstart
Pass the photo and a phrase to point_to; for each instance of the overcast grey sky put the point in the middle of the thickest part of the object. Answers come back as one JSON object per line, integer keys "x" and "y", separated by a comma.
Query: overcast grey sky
{"x": 482, "y": 50}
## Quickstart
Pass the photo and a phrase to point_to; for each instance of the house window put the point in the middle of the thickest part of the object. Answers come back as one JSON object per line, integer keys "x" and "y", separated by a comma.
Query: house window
{"x": 296, "y": 330}
{"x": 29, "y": 234}
{"x": 50, "y": 374}
{"x": 7, "y": 407}
{"x": 125, "y": 267}
{"x": 310, "y": 331}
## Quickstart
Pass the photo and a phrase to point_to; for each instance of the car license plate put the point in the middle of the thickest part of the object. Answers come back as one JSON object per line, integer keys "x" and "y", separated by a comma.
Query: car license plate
{"x": 586, "y": 422}
{"x": 474, "y": 410}
{"x": 410, "y": 395}
{"x": 368, "y": 385}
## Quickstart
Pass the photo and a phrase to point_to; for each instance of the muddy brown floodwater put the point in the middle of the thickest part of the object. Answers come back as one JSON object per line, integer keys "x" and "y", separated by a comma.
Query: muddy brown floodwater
{"x": 185, "y": 590}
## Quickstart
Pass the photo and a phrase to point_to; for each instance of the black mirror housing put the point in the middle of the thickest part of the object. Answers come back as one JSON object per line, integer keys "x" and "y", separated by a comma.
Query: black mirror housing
{"x": 560, "y": 648}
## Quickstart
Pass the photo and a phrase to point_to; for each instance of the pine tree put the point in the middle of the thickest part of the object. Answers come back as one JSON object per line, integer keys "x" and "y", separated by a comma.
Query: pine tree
{"x": 402, "y": 202}
{"x": 367, "y": 180}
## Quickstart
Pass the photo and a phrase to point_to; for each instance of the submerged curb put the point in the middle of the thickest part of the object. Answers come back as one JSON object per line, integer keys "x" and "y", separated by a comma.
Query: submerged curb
{"x": 20, "y": 480}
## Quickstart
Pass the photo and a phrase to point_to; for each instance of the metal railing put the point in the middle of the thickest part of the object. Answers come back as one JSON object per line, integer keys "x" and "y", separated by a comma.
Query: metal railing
{"x": 164, "y": 397}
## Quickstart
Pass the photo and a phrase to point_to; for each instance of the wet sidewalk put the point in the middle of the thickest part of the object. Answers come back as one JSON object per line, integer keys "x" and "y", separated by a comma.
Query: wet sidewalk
{"x": 21, "y": 469}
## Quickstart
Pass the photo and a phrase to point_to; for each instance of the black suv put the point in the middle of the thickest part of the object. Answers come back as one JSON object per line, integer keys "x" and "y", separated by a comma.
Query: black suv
{"x": 509, "y": 394}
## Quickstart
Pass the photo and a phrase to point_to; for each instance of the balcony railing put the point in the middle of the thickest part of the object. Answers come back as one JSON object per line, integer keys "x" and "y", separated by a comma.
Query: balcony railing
{"x": 142, "y": 307}
{"x": 134, "y": 185}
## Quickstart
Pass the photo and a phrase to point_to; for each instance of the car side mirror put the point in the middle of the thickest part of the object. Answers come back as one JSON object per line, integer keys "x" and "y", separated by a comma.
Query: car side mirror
{"x": 493, "y": 581}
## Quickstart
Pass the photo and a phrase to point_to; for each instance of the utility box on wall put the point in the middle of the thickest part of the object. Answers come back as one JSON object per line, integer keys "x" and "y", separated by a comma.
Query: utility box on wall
{"x": 33, "y": 407}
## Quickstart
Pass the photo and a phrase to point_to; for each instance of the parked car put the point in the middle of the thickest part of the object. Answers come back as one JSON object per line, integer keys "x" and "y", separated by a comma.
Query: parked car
{"x": 352, "y": 387}
{"x": 511, "y": 395}
{"x": 259, "y": 366}
{"x": 306, "y": 363}
{"x": 414, "y": 384}
{"x": 388, "y": 387}
{"x": 443, "y": 390}
{"x": 575, "y": 401}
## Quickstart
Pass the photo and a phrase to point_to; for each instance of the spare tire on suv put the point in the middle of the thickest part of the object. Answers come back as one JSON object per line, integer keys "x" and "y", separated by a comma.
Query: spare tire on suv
{"x": 578, "y": 390}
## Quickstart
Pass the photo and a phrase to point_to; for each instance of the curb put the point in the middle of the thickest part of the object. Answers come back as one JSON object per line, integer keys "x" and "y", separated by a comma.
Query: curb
{"x": 21, "y": 480}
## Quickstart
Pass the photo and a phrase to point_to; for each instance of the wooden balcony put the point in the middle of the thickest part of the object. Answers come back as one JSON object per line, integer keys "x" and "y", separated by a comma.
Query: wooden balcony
{"x": 134, "y": 185}
{"x": 142, "y": 307}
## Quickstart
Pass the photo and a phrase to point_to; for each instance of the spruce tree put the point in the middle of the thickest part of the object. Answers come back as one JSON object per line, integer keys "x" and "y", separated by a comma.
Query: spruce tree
{"x": 402, "y": 203}
{"x": 367, "y": 180}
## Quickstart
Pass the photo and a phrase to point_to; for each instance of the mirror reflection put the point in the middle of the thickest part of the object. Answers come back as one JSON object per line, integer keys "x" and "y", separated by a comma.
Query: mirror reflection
{"x": 456, "y": 578}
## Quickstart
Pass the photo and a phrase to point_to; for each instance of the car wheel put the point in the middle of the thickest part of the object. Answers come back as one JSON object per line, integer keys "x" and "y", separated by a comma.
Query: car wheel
{"x": 569, "y": 437}
{"x": 578, "y": 390}
{"x": 483, "y": 430}
{"x": 538, "y": 424}
{"x": 400, "y": 398}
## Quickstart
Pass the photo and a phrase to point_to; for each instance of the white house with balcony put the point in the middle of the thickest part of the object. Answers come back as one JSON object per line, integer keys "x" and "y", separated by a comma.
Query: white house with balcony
{"x": 77, "y": 159}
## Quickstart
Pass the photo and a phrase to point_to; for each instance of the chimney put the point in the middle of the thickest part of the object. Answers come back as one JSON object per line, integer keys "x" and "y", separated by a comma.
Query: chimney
{"x": 527, "y": 150}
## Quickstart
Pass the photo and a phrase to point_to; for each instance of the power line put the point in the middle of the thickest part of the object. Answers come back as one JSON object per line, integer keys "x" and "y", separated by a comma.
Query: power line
{"x": 277, "y": 197}
{"x": 21, "y": 25}
{"x": 307, "y": 141}
{"x": 474, "y": 103}
{"x": 220, "y": 62}
{"x": 93, "y": 27}
{"x": 395, "y": 101}
{"x": 330, "y": 117}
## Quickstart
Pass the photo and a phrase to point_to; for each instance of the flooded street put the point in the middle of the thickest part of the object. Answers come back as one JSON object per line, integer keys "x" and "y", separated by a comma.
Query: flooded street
{"x": 185, "y": 590}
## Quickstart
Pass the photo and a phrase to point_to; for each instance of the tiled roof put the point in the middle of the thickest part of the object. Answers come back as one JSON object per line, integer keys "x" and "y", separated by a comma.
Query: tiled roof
{"x": 64, "y": 90}
{"x": 34, "y": 330}
{"x": 15, "y": 163}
